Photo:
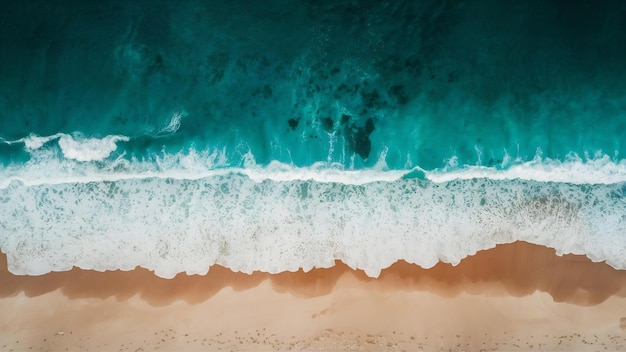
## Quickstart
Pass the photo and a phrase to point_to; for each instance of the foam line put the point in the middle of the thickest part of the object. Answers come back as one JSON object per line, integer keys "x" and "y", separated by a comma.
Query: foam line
{"x": 600, "y": 170}
{"x": 89, "y": 161}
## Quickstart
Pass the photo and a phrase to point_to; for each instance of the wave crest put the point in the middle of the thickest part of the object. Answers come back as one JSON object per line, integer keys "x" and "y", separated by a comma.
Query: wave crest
{"x": 81, "y": 159}
{"x": 89, "y": 149}
{"x": 75, "y": 146}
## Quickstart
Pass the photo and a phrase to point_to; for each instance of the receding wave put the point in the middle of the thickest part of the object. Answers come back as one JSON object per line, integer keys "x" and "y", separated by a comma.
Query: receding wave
{"x": 79, "y": 200}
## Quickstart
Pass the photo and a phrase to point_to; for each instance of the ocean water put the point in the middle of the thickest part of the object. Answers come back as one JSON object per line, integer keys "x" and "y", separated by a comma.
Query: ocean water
{"x": 278, "y": 135}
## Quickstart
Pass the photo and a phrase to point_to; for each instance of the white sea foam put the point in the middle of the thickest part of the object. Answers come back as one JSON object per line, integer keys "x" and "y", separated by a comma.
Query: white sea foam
{"x": 33, "y": 141}
{"x": 173, "y": 226}
{"x": 601, "y": 169}
{"x": 75, "y": 146}
{"x": 87, "y": 160}
{"x": 173, "y": 124}
{"x": 184, "y": 212}
{"x": 89, "y": 149}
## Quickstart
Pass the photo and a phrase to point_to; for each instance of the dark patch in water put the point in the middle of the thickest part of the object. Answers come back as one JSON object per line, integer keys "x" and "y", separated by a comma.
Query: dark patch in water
{"x": 358, "y": 137}
{"x": 371, "y": 99}
{"x": 397, "y": 92}
{"x": 369, "y": 126}
{"x": 413, "y": 65}
{"x": 362, "y": 144}
{"x": 453, "y": 76}
{"x": 293, "y": 123}
{"x": 327, "y": 124}
{"x": 214, "y": 67}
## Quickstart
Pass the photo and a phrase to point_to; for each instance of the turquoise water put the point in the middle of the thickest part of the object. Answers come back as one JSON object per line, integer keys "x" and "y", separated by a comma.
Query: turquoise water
{"x": 176, "y": 135}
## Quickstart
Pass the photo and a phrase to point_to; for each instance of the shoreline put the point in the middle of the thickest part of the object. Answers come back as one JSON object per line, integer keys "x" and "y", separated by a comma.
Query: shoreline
{"x": 513, "y": 296}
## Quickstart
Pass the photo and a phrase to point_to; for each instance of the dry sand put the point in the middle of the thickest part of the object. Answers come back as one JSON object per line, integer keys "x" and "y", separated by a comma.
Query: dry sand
{"x": 514, "y": 297}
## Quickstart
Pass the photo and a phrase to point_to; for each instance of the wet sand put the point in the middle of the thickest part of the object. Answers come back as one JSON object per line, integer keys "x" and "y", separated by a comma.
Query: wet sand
{"x": 514, "y": 297}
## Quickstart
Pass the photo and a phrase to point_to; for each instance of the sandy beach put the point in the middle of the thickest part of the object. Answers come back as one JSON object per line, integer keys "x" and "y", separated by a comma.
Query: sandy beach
{"x": 514, "y": 297}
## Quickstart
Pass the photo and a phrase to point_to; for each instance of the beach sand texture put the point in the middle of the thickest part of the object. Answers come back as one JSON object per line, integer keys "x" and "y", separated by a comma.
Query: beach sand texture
{"x": 516, "y": 296}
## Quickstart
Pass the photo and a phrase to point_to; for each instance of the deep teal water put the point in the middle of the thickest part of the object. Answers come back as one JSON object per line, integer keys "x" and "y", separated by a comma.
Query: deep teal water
{"x": 294, "y": 94}
{"x": 308, "y": 81}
